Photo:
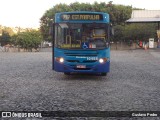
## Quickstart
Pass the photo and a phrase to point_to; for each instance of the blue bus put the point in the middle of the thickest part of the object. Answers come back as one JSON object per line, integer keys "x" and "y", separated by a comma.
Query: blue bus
{"x": 81, "y": 42}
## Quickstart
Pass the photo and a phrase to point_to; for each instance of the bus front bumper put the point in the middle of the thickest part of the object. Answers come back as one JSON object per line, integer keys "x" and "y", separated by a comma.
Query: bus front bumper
{"x": 98, "y": 68}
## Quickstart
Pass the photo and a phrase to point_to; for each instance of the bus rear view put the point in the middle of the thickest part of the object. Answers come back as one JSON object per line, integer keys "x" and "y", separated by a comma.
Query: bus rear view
{"x": 81, "y": 43}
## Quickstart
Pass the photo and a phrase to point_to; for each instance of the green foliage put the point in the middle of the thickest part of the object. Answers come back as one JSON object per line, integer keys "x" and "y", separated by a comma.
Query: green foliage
{"x": 27, "y": 40}
{"x": 135, "y": 31}
{"x": 5, "y": 35}
{"x": 139, "y": 31}
{"x": 5, "y": 38}
{"x": 118, "y": 32}
{"x": 8, "y": 30}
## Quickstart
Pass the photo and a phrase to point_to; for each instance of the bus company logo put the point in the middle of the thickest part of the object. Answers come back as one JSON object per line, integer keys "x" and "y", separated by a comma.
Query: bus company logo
{"x": 65, "y": 17}
{"x": 6, "y": 114}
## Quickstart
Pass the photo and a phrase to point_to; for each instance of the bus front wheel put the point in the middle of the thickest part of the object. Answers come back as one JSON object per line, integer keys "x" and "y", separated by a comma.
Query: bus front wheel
{"x": 67, "y": 73}
{"x": 103, "y": 74}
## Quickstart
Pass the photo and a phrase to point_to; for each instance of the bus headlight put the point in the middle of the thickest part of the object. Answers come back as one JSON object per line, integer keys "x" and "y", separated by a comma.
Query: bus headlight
{"x": 60, "y": 59}
{"x": 102, "y": 60}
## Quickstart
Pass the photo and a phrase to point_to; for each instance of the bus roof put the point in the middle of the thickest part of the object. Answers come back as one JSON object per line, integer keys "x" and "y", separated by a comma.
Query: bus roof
{"x": 82, "y": 17}
{"x": 84, "y": 12}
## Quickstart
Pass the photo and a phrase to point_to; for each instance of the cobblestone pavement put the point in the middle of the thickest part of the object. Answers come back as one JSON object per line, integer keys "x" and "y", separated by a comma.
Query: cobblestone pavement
{"x": 27, "y": 83}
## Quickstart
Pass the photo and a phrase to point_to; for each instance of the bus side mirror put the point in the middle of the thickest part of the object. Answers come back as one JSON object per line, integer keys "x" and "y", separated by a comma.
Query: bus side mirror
{"x": 111, "y": 30}
{"x": 52, "y": 30}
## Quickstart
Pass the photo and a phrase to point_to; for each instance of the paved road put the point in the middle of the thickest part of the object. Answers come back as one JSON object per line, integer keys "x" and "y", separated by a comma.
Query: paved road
{"x": 28, "y": 83}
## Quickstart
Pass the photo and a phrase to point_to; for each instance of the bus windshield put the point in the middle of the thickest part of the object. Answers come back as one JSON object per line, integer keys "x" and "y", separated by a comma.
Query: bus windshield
{"x": 81, "y": 35}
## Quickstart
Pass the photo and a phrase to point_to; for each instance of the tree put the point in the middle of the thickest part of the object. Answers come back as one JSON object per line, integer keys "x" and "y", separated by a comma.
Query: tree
{"x": 139, "y": 31}
{"x": 9, "y": 31}
{"x": 5, "y": 38}
{"x": 5, "y": 35}
{"x": 119, "y": 32}
{"x": 27, "y": 40}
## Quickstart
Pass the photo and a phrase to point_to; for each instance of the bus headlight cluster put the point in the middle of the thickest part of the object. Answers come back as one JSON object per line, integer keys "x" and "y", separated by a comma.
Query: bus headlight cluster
{"x": 102, "y": 60}
{"x": 60, "y": 59}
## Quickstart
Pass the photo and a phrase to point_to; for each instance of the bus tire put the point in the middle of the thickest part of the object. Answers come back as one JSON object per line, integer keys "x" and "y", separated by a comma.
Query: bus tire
{"x": 103, "y": 74}
{"x": 67, "y": 73}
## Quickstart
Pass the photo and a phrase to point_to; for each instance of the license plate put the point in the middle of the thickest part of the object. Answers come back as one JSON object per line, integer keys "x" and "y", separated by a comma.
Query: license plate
{"x": 81, "y": 66}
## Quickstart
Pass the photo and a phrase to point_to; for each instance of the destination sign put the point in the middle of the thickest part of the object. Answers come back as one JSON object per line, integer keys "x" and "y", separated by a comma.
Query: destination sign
{"x": 82, "y": 17}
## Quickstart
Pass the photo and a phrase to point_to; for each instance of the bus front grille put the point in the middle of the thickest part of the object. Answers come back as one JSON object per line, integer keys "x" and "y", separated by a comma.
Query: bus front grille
{"x": 78, "y": 61}
{"x": 82, "y": 53}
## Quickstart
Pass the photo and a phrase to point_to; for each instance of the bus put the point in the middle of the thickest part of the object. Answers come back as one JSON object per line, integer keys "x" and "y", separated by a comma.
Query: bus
{"x": 81, "y": 42}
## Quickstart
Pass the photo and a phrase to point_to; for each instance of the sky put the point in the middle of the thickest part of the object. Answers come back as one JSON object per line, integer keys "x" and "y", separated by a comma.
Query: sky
{"x": 27, "y": 13}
